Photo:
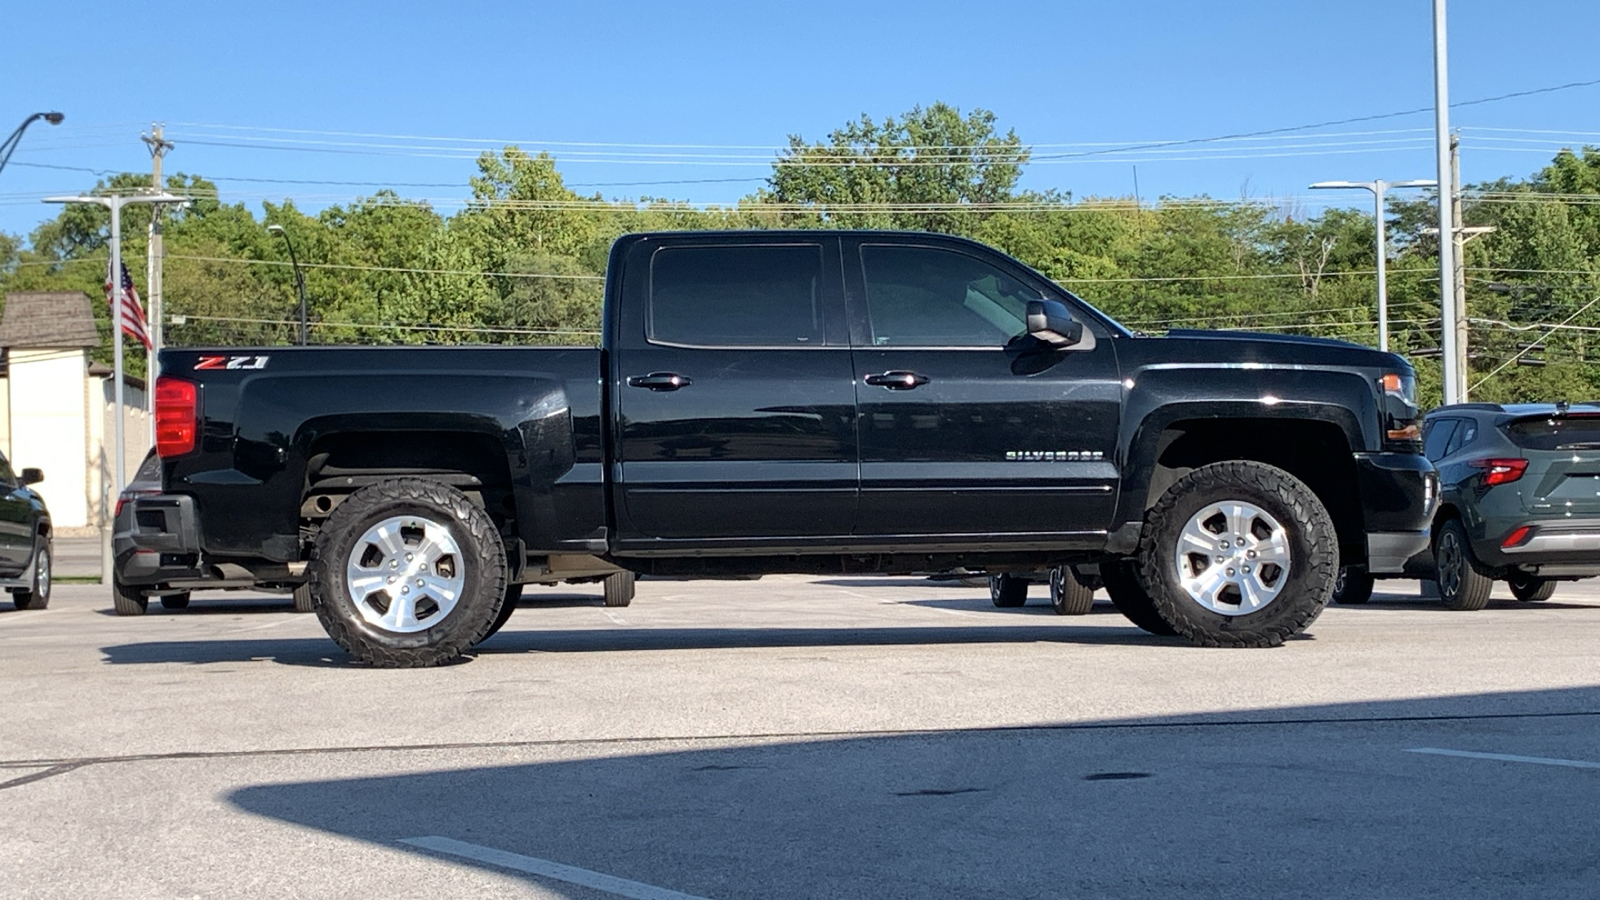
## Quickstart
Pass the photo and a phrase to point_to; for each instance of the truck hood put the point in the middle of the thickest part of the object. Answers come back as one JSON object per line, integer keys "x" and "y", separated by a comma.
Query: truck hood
{"x": 1282, "y": 349}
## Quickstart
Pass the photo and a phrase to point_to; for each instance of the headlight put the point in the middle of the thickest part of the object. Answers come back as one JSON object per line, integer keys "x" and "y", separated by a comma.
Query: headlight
{"x": 1401, "y": 423}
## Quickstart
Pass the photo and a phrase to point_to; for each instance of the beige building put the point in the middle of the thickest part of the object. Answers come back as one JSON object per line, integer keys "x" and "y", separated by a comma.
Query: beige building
{"x": 56, "y": 407}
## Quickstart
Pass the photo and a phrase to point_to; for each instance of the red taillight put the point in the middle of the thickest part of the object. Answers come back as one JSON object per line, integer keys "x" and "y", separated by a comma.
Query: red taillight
{"x": 1500, "y": 471}
{"x": 1517, "y": 537}
{"x": 177, "y": 416}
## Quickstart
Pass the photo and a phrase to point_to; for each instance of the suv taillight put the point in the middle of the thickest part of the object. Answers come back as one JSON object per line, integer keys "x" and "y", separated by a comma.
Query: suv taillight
{"x": 177, "y": 416}
{"x": 1500, "y": 471}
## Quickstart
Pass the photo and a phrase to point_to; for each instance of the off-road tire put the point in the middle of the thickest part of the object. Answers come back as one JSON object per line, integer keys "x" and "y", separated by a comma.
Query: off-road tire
{"x": 1007, "y": 591}
{"x": 175, "y": 601}
{"x": 619, "y": 588}
{"x": 513, "y": 597}
{"x": 37, "y": 595}
{"x": 1069, "y": 594}
{"x": 1307, "y": 530}
{"x": 1352, "y": 587}
{"x": 1121, "y": 580}
{"x": 482, "y": 568}
{"x": 303, "y": 601}
{"x": 1464, "y": 583}
{"x": 127, "y": 599}
{"x": 1529, "y": 589}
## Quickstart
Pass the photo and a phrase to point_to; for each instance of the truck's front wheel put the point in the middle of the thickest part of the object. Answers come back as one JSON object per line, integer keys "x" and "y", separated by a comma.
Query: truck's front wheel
{"x": 408, "y": 573}
{"x": 1239, "y": 554}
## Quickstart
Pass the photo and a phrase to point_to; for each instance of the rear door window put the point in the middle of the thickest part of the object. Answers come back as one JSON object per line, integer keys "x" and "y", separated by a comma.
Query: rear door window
{"x": 1438, "y": 436}
{"x": 737, "y": 296}
{"x": 1465, "y": 431}
{"x": 1556, "y": 433}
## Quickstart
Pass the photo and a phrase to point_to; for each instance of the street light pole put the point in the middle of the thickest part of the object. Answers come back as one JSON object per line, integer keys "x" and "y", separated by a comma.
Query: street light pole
{"x": 1448, "y": 342}
{"x": 1377, "y": 188}
{"x": 10, "y": 145}
{"x": 115, "y": 202}
{"x": 299, "y": 280}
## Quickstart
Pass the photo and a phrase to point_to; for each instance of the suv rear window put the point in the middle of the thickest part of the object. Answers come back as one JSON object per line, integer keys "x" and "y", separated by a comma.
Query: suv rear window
{"x": 1555, "y": 433}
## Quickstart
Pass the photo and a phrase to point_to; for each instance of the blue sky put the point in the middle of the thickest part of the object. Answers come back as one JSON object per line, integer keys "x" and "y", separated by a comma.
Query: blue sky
{"x": 293, "y": 92}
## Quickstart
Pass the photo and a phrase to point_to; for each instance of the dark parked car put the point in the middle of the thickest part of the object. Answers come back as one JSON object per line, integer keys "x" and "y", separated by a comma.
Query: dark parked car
{"x": 1520, "y": 502}
{"x": 25, "y": 550}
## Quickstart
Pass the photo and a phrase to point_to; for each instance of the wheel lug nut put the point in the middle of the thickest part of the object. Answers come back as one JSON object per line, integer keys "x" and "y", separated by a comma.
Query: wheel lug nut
{"x": 1251, "y": 554}
{"x": 404, "y": 589}
{"x": 393, "y": 563}
{"x": 1223, "y": 545}
{"x": 1231, "y": 572}
{"x": 408, "y": 557}
{"x": 1221, "y": 558}
{"x": 391, "y": 579}
{"x": 420, "y": 582}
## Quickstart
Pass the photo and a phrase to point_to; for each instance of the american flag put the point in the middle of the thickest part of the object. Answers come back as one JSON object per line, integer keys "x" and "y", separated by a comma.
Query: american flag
{"x": 133, "y": 324}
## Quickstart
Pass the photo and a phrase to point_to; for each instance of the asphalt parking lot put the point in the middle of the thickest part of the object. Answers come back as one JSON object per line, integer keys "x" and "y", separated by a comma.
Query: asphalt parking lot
{"x": 801, "y": 737}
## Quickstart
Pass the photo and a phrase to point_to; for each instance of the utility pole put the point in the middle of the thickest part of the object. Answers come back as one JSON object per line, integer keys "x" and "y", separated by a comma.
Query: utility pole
{"x": 157, "y": 253}
{"x": 1452, "y": 361}
{"x": 1458, "y": 278}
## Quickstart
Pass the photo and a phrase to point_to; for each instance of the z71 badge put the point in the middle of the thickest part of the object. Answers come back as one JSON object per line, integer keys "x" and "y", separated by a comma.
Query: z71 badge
{"x": 231, "y": 362}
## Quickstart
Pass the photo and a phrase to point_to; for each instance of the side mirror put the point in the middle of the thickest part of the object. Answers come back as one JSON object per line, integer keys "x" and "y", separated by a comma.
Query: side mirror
{"x": 32, "y": 476}
{"x": 1049, "y": 321}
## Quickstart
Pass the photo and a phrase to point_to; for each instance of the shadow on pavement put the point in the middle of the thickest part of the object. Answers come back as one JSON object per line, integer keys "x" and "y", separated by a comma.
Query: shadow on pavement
{"x": 323, "y": 652}
{"x": 1328, "y": 803}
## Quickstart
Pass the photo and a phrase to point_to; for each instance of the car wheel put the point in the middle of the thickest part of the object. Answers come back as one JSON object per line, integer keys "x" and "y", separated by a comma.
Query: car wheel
{"x": 513, "y": 597}
{"x": 619, "y": 588}
{"x": 1352, "y": 587}
{"x": 303, "y": 601}
{"x": 1007, "y": 591}
{"x": 1121, "y": 579}
{"x": 129, "y": 600}
{"x": 1531, "y": 590}
{"x": 1463, "y": 583}
{"x": 175, "y": 601}
{"x": 1069, "y": 595}
{"x": 408, "y": 572}
{"x": 37, "y": 596}
{"x": 1239, "y": 554}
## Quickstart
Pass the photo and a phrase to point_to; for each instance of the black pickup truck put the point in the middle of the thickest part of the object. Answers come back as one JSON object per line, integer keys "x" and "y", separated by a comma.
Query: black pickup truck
{"x": 789, "y": 401}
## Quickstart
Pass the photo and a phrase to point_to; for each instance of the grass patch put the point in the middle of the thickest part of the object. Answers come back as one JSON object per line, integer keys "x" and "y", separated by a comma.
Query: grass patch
{"x": 76, "y": 579}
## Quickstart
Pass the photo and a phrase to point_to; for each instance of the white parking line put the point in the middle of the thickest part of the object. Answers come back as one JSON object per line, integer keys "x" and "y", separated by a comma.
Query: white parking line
{"x": 611, "y": 884}
{"x": 616, "y": 619}
{"x": 1507, "y": 757}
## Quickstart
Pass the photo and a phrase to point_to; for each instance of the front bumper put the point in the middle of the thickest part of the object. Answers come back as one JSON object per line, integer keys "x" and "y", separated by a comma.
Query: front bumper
{"x": 1399, "y": 495}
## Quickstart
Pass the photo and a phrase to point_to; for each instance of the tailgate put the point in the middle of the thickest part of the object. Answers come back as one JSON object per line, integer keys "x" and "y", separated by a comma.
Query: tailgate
{"x": 1563, "y": 454}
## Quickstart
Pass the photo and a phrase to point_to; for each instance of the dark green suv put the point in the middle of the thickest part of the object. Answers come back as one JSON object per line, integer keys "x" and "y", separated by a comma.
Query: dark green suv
{"x": 1520, "y": 501}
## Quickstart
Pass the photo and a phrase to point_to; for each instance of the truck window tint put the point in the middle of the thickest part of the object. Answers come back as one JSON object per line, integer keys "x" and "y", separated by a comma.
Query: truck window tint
{"x": 1437, "y": 438}
{"x": 923, "y": 297}
{"x": 737, "y": 296}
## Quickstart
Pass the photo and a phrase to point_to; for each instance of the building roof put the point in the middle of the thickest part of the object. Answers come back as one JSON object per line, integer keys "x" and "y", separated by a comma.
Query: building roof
{"x": 35, "y": 319}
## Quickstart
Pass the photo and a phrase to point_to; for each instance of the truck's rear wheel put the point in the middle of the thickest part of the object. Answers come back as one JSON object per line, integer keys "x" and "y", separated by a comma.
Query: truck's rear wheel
{"x": 1008, "y": 591}
{"x": 1121, "y": 579}
{"x": 619, "y": 588}
{"x": 303, "y": 603}
{"x": 1352, "y": 587}
{"x": 1069, "y": 594}
{"x": 407, "y": 573}
{"x": 1239, "y": 554}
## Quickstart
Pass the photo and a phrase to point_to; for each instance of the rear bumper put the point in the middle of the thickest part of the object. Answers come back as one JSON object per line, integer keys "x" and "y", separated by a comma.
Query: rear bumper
{"x": 1399, "y": 495}
{"x": 1563, "y": 547}
{"x": 156, "y": 538}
